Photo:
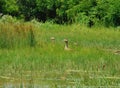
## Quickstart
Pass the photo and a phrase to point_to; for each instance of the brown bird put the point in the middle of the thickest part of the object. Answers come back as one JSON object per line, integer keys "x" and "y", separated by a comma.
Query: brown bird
{"x": 117, "y": 52}
{"x": 66, "y": 45}
{"x": 52, "y": 39}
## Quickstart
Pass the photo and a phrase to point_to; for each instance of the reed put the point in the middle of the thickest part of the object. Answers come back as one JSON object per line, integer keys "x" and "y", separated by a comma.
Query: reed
{"x": 16, "y": 35}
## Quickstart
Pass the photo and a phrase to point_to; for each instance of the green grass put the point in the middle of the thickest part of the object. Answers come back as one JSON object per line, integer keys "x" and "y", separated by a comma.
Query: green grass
{"x": 92, "y": 62}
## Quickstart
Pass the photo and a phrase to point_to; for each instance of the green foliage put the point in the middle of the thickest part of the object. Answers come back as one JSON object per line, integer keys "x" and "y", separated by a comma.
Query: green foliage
{"x": 8, "y": 19}
{"x": 9, "y": 7}
{"x": 27, "y": 8}
{"x": 113, "y": 13}
{"x": 90, "y": 12}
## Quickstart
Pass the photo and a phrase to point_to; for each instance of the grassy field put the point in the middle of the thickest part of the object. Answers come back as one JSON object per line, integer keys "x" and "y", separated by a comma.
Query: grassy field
{"x": 92, "y": 62}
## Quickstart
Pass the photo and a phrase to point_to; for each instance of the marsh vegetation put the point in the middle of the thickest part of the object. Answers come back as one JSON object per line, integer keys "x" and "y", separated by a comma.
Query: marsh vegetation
{"x": 28, "y": 57}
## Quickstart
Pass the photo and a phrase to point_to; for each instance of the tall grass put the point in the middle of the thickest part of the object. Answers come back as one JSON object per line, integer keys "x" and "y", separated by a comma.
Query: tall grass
{"x": 91, "y": 62}
{"x": 16, "y": 35}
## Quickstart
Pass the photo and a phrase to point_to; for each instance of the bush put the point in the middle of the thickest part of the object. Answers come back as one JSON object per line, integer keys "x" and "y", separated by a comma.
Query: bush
{"x": 8, "y": 19}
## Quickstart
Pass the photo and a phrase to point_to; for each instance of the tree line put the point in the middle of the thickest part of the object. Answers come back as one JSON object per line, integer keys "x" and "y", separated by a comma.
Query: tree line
{"x": 89, "y": 12}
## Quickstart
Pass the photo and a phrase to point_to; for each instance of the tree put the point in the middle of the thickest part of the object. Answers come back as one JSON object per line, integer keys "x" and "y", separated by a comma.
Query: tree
{"x": 9, "y": 7}
{"x": 90, "y": 12}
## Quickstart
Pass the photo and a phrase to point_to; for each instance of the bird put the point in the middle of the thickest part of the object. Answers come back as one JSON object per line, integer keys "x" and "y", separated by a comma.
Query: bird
{"x": 66, "y": 45}
{"x": 117, "y": 52}
{"x": 52, "y": 39}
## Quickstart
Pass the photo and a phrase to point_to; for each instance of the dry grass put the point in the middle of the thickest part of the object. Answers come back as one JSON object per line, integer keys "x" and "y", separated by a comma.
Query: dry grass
{"x": 16, "y": 35}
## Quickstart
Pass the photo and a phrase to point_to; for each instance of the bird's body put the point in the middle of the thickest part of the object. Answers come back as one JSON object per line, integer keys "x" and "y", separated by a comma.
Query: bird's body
{"x": 66, "y": 48}
{"x": 117, "y": 52}
{"x": 66, "y": 45}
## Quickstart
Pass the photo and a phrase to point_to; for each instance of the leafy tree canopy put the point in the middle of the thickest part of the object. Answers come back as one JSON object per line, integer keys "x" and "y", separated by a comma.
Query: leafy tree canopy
{"x": 90, "y": 12}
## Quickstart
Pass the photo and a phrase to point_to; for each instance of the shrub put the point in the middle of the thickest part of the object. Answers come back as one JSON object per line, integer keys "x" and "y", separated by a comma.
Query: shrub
{"x": 7, "y": 19}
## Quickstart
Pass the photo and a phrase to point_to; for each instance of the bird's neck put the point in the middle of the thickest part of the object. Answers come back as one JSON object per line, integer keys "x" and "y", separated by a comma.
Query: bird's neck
{"x": 66, "y": 45}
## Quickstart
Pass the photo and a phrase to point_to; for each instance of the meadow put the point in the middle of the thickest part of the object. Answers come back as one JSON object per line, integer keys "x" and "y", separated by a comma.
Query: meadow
{"x": 29, "y": 59}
